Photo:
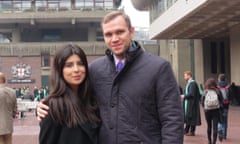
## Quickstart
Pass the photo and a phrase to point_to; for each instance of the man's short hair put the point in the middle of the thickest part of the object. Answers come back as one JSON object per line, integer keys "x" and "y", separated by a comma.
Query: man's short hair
{"x": 188, "y": 73}
{"x": 221, "y": 77}
{"x": 110, "y": 16}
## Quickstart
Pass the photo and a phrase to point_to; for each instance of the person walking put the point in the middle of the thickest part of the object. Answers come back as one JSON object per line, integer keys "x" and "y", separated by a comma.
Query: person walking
{"x": 191, "y": 105}
{"x": 73, "y": 111}
{"x": 137, "y": 91}
{"x": 212, "y": 104}
{"x": 8, "y": 103}
{"x": 223, "y": 86}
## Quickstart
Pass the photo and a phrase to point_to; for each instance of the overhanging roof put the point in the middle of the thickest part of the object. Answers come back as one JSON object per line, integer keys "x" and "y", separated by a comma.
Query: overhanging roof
{"x": 211, "y": 19}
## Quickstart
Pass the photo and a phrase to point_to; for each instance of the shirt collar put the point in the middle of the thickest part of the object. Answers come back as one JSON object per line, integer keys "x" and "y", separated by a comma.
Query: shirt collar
{"x": 116, "y": 60}
{"x": 132, "y": 48}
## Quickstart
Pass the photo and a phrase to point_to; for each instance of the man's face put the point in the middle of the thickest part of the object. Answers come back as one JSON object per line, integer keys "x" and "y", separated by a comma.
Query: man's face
{"x": 186, "y": 77}
{"x": 117, "y": 36}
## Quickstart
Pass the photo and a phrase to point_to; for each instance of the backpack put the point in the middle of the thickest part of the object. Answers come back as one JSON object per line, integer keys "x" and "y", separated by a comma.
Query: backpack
{"x": 225, "y": 95}
{"x": 211, "y": 100}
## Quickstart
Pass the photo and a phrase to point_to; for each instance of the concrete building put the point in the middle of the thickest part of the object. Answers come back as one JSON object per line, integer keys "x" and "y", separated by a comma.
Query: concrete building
{"x": 31, "y": 31}
{"x": 197, "y": 35}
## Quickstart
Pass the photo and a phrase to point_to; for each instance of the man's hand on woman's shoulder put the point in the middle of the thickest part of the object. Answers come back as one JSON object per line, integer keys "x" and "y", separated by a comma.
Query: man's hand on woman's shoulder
{"x": 42, "y": 110}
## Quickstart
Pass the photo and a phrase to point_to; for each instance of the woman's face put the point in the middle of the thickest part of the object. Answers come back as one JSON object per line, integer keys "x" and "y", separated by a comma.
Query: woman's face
{"x": 74, "y": 72}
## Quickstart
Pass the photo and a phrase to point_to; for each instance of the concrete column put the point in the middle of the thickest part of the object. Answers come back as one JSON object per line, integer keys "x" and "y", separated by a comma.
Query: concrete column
{"x": 92, "y": 34}
{"x": 174, "y": 57}
{"x": 235, "y": 54}
{"x": 16, "y": 35}
{"x": 198, "y": 59}
{"x": 164, "y": 49}
{"x": 168, "y": 51}
{"x": 33, "y": 5}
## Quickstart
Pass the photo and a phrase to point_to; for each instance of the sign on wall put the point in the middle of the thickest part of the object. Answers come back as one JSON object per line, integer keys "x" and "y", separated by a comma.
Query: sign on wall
{"x": 21, "y": 73}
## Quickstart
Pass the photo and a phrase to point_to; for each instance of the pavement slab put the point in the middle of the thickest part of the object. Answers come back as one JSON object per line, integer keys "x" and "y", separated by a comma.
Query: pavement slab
{"x": 26, "y": 129}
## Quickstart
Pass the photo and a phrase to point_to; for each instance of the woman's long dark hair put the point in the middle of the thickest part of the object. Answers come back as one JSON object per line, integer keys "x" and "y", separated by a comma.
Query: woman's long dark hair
{"x": 211, "y": 84}
{"x": 65, "y": 106}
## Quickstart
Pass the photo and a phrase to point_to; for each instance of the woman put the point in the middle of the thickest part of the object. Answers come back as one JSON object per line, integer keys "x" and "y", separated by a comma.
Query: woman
{"x": 73, "y": 112}
{"x": 212, "y": 108}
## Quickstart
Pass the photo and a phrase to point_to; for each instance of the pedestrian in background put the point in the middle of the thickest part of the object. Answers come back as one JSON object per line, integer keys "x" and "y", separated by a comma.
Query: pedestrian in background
{"x": 223, "y": 86}
{"x": 212, "y": 104}
{"x": 8, "y": 104}
{"x": 191, "y": 105}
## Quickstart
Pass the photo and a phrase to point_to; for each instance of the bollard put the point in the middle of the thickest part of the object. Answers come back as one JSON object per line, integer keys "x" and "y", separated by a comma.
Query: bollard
{"x": 19, "y": 115}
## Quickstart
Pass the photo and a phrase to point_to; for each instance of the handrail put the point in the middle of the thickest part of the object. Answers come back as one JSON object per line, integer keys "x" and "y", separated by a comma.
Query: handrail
{"x": 38, "y": 48}
{"x": 57, "y": 5}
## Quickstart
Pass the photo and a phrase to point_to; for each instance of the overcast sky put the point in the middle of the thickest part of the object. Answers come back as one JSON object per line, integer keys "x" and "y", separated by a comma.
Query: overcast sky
{"x": 138, "y": 18}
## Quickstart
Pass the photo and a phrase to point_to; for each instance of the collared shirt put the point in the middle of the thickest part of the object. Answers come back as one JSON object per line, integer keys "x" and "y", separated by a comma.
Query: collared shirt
{"x": 132, "y": 48}
{"x": 116, "y": 60}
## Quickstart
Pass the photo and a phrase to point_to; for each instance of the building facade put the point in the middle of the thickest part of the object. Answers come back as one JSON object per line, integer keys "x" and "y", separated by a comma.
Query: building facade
{"x": 197, "y": 35}
{"x": 32, "y": 30}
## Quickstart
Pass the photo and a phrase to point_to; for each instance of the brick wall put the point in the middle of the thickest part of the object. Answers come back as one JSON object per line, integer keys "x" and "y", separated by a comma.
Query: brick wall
{"x": 6, "y": 64}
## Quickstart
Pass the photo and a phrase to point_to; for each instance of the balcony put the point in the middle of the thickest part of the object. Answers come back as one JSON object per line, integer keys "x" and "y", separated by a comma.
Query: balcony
{"x": 37, "y": 48}
{"x": 45, "y": 11}
{"x": 55, "y": 5}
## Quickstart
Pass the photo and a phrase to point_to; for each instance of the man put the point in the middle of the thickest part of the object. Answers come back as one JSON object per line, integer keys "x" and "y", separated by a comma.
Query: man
{"x": 139, "y": 103}
{"x": 35, "y": 92}
{"x": 8, "y": 110}
{"x": 191, "y": 105}
{"x": 224, "y": 88}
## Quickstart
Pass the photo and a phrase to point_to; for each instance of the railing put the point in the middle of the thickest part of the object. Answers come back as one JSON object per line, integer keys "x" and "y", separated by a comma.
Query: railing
{"x": 37, "y": 48}
{"x": 54, "y": 5}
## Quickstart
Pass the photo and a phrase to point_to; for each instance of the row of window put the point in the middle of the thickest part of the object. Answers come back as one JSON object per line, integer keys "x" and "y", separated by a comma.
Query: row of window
{"x": 56, "y": 4}
{"x": 159, "y": 6}
{"x": 50, "y": 35}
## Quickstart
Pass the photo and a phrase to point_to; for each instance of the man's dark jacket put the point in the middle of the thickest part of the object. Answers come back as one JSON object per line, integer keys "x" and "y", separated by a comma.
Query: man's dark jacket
{"x": 139, "y": 105}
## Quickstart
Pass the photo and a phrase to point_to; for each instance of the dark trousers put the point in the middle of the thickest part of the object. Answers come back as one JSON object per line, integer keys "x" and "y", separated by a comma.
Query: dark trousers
{"x": 222, "y": 127}
{"x": 191, "y": 127}
{"x": 212, "y": 118}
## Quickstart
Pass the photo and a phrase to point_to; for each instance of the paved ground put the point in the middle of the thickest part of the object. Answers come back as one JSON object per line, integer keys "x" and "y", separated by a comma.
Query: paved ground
{"x": 233, "y": 129}
{"x": 26, "y": 130}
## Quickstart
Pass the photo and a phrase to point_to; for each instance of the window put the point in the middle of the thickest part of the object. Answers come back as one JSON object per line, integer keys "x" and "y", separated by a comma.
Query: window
{"x": 45, "y": 81}
{"x": 222, "y": 57}
{"x": 5, "y": 37}
{"x": 5, "y": 5}
{"x": 54, "y": 4}
{"x": 41, "y": 5}
{"x": 213, "y": 57}
{"x": 45, "y": 59}
{"x": 52, "y": 35}
{"x": 100, "y": 36}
